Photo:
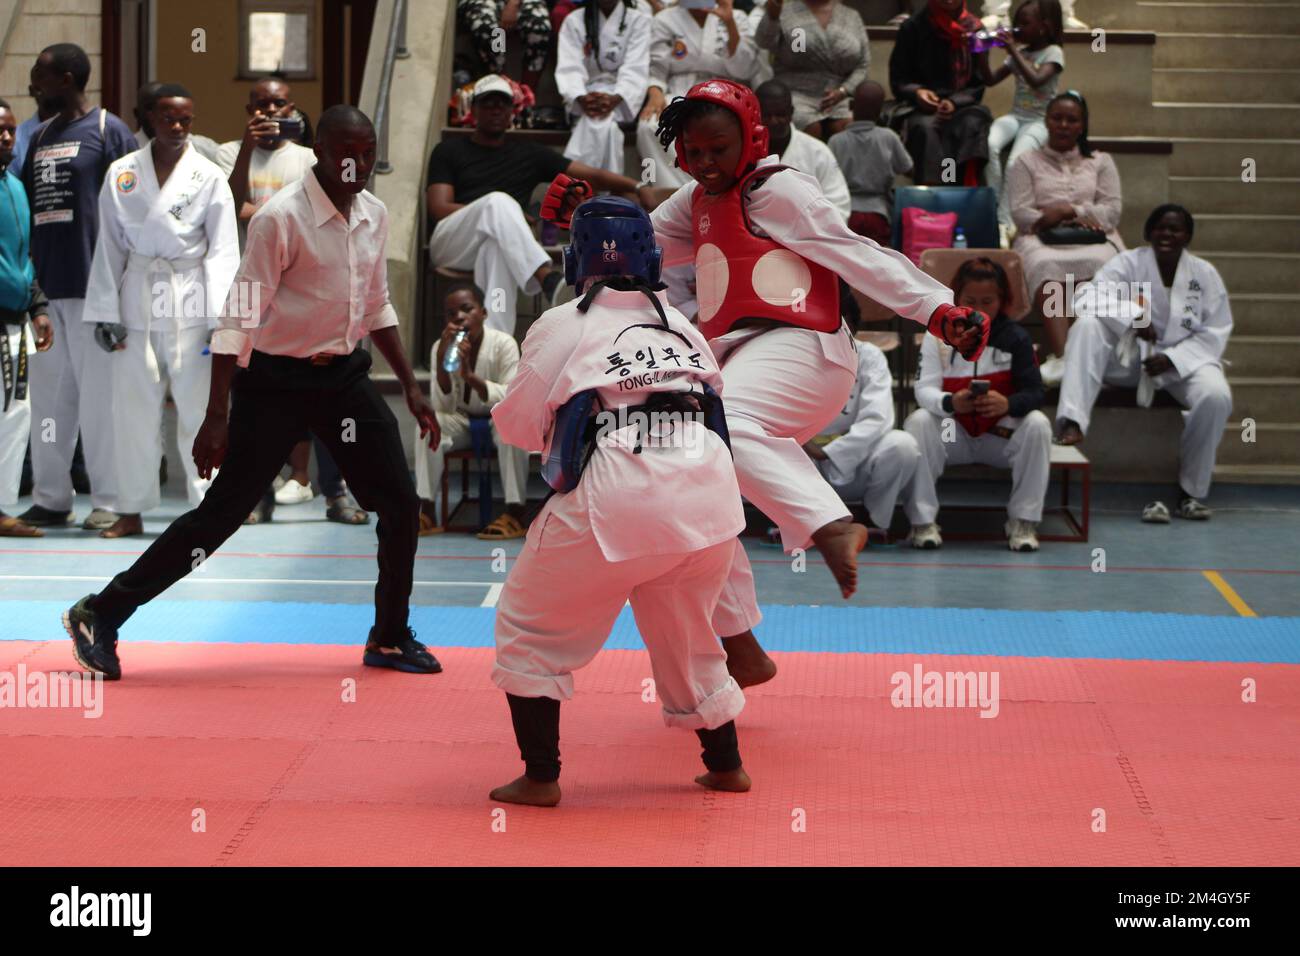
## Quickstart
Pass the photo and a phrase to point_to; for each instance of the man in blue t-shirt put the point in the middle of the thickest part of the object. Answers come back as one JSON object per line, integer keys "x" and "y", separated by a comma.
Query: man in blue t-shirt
{"x": 65, "y": 164}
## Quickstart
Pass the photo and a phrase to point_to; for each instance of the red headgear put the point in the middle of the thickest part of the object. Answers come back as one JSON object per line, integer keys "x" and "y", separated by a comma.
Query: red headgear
{"x": 740, "y": 100}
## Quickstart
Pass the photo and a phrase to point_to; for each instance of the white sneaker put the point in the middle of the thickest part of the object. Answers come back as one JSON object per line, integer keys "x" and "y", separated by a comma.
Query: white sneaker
{"x": 1021, "y": 535}
{"x": 926, "y": 536}
{"x": 1074, "y": 23}
{"x": 294, "y": 492}
{"x": 1052, "y": 371}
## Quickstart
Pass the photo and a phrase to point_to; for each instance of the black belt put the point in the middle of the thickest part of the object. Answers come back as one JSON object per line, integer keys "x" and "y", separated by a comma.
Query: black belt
{"x": 15, "y": 390}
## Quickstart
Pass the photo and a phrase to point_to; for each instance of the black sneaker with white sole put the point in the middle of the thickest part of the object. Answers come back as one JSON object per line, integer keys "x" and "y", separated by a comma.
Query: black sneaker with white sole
{"x": 407, "y": 655}
{"x": 94, "y": 644}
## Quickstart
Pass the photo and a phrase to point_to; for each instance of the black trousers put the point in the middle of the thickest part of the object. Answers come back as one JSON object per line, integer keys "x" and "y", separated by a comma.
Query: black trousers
{"x": 273, "y": 403}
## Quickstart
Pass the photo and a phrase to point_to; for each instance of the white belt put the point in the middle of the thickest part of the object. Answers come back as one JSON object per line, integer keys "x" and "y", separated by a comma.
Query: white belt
{"x": 148, "y": 266}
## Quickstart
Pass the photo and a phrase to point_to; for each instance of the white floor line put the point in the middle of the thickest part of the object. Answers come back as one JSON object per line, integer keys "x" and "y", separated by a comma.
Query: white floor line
{"x": 198, "y": 578}
{"x": 493, "y": 595}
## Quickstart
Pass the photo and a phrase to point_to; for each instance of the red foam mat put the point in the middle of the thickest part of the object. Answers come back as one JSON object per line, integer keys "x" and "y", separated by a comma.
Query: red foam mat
{"x": 259, "y": 738}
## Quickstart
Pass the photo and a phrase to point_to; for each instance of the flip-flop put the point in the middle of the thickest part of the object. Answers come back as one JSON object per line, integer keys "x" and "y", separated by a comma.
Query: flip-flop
{"x": 428, "y": 526}
{"x": 11, "y": 527}
{"x": 344, "y": 512}
{"x": 504, "y": 528}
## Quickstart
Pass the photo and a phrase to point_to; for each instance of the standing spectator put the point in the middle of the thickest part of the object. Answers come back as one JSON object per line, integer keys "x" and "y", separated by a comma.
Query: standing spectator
{"x": 144, "y": 101}
{"x": 931, "y": 71}
{"x": 1065, "y": 203}
{"x": 65, "y": 164}
{"x": 799, "y": 150}
{"x": 488, "y": 359}
{"x": 21, "y": 299}
{"x": 1037, "y": 65}
{"x": 1002, "y": 427}
{"x": 167, "y": 252}
{"x": 687, "y": 46}
{"x": 478, "y": 187}
{"x": 870, "y": 157}
{"x": 484, "y": 18}
{"x": 1178, "y": 346}
{"x": 300, "y": 368}
{"x": 601, "y": 69}
{"x": 870, "y": 460}
{"x": 830, "y": 60}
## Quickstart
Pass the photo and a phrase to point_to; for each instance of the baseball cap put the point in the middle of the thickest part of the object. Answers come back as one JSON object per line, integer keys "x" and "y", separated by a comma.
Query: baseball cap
{"x": 493, "y": 83}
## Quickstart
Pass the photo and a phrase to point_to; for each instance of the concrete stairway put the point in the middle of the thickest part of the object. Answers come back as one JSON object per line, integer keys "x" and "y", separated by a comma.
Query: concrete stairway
{"x": 1226, "y": 88}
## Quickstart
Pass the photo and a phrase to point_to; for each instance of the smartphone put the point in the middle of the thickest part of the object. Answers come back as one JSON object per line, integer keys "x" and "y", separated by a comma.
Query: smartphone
{"x": 290, "y": 128}
{"x": 978, "y": 387}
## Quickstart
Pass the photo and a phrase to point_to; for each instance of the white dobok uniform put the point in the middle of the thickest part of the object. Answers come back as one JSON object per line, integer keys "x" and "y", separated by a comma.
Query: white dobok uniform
{"x": 683, "y": 53}
{"x": 1192, "y": 320}
{"x": 495, "y": 364}
{"x": 786, "y": 383}
{"x": 16, "y": 420}
{"x": 164, "y": 261}
{"x": 655, "y": 527}
{"x": 870, "y": 460}
{"x": 623, "y": 69}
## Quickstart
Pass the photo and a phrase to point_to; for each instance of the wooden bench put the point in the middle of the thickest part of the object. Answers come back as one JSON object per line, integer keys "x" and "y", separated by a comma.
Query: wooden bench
{"x": 1065, "y": 461}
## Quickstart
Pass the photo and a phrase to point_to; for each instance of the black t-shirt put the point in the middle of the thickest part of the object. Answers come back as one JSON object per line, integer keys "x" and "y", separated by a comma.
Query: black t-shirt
{"x": 514, "y": 168}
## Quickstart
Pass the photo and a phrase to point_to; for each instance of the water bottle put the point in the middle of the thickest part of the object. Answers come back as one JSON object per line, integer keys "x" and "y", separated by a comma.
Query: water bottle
{"x": 959, "y": 239}
{"x": 451, "y": 359}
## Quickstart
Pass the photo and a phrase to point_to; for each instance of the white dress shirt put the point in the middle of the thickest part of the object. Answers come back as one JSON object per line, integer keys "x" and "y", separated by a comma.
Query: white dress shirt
{"x": 309, "y": 281}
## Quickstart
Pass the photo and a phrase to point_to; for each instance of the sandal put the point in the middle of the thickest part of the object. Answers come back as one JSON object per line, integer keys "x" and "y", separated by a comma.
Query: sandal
{"x": 1157, "y": 512}
{"x": 505, "y": 527}
{"x": 11, "y": 527}
{"x": 428, "y": 526}
{"x": 344, "y": 511}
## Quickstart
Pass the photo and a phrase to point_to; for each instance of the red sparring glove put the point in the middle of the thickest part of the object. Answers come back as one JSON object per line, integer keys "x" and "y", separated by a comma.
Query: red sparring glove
{"x": 964, "y": 329}
{"x": 562, "y": 197}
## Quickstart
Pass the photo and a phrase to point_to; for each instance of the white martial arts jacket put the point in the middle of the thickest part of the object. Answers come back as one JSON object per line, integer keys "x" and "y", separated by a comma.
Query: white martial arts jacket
{"x": 495, "y": 364}
{"x": 683, "y": 53}
{"x": 866, "y": 417}
{"x": 1192, "y": 319}
{"x": 624, "y": 65}
{"x": 672, "y": 498}
{"x": 164, "y": 259}
{"x": 810, "y": 155}
{"x": 789, "y": 207}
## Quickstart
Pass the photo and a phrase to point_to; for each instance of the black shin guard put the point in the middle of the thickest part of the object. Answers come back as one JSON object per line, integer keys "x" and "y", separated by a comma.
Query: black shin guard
{"x": 537, "y": 730}
{"x": 721, "y": 749}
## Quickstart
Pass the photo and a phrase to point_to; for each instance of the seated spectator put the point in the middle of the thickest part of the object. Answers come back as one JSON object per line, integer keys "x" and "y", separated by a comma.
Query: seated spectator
{"x": 483, "y": 18}
{"x": 799, "y": 150}
{"x": 1036, "y": 59}
{"x": 1155, "y": 317}
{"x": 870, "y": 157}
{"x": 870, "y": 460}
{"x": 1002, "y": 427}
{"x": 887, "y": 12}
{"x": 601, "y": 69}
{"x": 478, "y": 187}
{"x": 932, "y": 74}
{"x": 144, "y": 101}
{"x": 1059, "y": 194}
{"x": 821, "y": 70}
{"x": 999, "y": 8}
{"x": 688, "y": 46}
{"x": 488, "y": 359}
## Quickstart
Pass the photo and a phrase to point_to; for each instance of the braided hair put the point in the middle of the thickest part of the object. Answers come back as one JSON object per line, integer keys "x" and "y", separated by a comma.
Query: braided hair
{"x": 675, "y": 116}
{"x": 591, "y": 20}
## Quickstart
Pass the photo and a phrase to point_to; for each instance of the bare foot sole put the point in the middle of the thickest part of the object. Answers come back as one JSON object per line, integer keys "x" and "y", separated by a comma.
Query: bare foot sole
{"x": 530, "y": 793}
{"x": 747, "y": 662}
{"x": 124, "y": 527}
{"x": 733, "y": 781}
{"x": 839, "y": 543}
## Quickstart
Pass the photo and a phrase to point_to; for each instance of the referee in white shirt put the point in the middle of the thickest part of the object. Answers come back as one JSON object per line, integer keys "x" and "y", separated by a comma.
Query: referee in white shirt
{"x": 312, "y": 283}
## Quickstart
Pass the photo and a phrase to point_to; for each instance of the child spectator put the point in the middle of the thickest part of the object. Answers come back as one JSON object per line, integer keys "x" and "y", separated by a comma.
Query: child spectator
{"x": 1036, "y": 58}
{"x": 870, "y": 156}
{"x": 1002, "y": 427}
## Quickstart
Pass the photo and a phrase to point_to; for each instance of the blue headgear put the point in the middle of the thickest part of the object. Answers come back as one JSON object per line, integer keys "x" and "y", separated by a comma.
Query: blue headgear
{"x": 611, "y": 237}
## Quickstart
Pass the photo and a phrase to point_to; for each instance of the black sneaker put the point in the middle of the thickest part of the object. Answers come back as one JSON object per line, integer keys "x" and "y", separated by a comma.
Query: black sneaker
{"x": 94, "y": 645}
{"x": 407, "y": 655}
{"x": 39, "y": 517}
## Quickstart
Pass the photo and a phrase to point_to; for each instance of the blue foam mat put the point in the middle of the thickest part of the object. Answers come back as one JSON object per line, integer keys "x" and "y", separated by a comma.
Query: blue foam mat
{"x": 1065, "y": 634}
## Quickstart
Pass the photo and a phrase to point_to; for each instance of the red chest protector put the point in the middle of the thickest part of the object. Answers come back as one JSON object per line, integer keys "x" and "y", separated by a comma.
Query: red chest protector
{"x": 740, "y": 275}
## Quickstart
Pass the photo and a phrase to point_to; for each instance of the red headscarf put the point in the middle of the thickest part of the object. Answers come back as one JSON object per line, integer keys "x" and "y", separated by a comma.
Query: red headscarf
{"x": 953, "y": 28}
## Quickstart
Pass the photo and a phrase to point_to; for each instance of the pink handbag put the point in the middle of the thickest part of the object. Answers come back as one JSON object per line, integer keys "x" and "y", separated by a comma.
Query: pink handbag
{"x": 926, "y": 230}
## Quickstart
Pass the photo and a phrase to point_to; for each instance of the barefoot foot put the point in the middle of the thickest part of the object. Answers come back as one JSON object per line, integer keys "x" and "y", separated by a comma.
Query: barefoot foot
{"x": 530, "y": 793}
{"x": 1070, "y": 434}
{"x": 747, "y": 662}
{"x": 839, "y": 542}
{"x": 124, "y": 527}
{"x": 732, "y": 781}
